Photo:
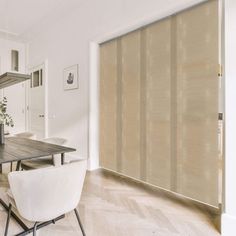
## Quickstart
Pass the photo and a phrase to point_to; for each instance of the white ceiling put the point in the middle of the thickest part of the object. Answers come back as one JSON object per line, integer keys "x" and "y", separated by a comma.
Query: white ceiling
{"x": 19, "y": 16}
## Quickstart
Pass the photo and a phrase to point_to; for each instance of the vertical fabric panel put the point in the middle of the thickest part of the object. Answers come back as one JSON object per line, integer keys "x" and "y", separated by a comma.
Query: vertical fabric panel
{"x": 173, "y": 108}
{"x": 143, "y": 103}
{"x": 119, "y": 106}
{"x": 131, "y": 104}
{"x": 108, "y": 105}
{"x": 159, "y": 103}
{"x": 197, "y": 105}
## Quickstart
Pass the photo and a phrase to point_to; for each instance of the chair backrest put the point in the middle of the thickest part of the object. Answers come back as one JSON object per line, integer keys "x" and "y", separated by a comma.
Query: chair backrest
{"x": 26, "y": 135}
{"x": 44, "y": 194}
{"x": 55, "y": 140}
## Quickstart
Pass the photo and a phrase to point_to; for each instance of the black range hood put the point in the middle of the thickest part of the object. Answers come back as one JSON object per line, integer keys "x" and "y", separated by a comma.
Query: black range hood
{"x": 10, "y": 78}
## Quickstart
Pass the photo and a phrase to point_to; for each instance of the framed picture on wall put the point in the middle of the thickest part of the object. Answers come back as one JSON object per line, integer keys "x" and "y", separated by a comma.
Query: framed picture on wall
{"x": 70, "y": 77}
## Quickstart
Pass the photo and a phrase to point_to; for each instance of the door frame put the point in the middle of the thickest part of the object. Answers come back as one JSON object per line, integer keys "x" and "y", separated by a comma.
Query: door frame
{"x": 44, "y": 67}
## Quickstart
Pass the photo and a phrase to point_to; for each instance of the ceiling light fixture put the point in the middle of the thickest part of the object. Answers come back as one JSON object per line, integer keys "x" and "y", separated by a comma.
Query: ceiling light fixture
{"x": 9, "y": 78}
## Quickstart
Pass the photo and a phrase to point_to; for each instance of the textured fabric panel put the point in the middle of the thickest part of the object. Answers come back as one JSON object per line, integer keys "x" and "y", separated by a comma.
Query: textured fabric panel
{"x": 131, "y": 104}
{"x": 143, "y": 103}
{"x": 159, "y": 103}
{"x": 197, "y": 105}
{"x": 173, "y": 108}
{"x": 108, "y": 105}
{"x": 119, "y": 106}
{"x": 158, "y": 106}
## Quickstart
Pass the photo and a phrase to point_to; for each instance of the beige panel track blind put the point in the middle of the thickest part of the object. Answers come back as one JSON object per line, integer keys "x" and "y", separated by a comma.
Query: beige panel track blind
{"x": 197, "y": 63}
{"x": 108, "y": 105}
{"x": 159, "y": 103}
{"x": 130, "y": 76}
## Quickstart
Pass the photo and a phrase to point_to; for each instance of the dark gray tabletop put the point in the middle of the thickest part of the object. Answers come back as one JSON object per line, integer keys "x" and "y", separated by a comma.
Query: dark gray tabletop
{"x": 17, "y": 149}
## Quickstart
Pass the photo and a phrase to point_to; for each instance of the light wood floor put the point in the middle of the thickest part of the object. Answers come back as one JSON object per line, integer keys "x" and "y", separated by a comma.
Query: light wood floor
{"x": 113, "y": 206}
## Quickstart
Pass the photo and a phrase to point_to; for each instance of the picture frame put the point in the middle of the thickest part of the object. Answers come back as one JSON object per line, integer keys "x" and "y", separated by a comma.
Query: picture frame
{"x": 70, "y": 77}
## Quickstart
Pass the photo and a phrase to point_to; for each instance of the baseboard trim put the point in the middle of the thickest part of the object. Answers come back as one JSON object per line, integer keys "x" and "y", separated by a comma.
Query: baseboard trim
{"x": 173, "y": 195}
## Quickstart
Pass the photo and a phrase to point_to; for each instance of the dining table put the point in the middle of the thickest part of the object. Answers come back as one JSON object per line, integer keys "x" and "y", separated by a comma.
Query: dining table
{"x": 16, "y": 149}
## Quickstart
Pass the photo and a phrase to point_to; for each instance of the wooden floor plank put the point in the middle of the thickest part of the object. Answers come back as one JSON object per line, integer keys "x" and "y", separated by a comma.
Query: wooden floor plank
{"x": 114, "y": 206}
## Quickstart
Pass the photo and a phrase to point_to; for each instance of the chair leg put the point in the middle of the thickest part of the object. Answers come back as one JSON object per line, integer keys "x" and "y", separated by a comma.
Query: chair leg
{"x": 8, "y": 220}
{"x": 35, "y": 228}
{"x": 80, "y": 224}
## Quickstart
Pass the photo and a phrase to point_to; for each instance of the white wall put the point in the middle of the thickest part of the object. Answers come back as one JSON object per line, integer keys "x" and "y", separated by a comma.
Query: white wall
{"x": 66, "y": 42}
{"x": 16, "y": 93}
{"x": 229, "y": 216}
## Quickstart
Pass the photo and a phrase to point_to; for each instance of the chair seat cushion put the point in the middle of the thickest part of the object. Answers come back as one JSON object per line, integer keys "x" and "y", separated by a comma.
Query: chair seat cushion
{"x": 36, "y": 164}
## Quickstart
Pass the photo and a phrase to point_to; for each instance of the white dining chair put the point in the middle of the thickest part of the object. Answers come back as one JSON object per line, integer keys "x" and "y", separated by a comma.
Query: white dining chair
{"x": 28, "y": 135}
{"x": 43, "y": 195}
{"x": 44, "y": 161}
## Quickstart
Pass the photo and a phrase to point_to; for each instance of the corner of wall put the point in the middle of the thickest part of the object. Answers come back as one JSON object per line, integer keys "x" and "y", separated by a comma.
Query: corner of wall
{"x": 93, "y": 161}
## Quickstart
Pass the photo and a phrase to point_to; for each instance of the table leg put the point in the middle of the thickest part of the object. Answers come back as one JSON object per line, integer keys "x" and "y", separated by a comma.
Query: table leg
{"x": 0, "y": 168}
{"x": 53, "y": 160}
{"x": 62, "y": 158}
{"x": 18, "y": 165}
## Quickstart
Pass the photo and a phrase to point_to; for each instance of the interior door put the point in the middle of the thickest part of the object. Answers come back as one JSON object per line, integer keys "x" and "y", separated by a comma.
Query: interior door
{"x": 37, "y": 102}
